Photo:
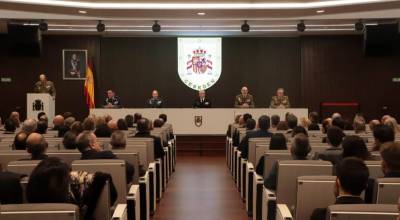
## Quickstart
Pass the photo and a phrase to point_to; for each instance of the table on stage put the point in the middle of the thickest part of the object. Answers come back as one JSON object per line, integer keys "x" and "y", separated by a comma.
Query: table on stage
{"x": 189, "y": 121}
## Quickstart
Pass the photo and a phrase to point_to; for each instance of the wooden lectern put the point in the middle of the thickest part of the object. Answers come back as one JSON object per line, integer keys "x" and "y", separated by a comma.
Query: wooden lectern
{"x": 40, "y": 102}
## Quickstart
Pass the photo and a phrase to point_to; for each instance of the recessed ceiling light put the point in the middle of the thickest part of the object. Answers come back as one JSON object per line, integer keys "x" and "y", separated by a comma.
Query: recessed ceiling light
{"x": 320, "y": 11}
{"x": 82, "y": 12}
{"x": 201, "y": 13}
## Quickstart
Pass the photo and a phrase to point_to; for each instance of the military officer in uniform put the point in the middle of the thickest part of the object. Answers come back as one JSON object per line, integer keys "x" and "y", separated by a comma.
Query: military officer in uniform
{"x": 244, "y": 100}
{"x": 45, "y": 86}
{"x": 112, "y": 101}
{"x": 154, "y": 101}
{"x": 280, "y": 100}
{"x": 202, "y": 101}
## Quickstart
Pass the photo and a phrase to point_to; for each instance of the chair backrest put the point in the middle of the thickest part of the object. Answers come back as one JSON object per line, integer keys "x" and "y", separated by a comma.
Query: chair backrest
{"x": 362, "y": 211}
{"x": 255, "y": 150}
{"x": 283, "y": 212}
{"x": 290, "y": 170}
{"x": 321, "y": 189}
{"x": 271, "y": 157}
{"x": 42, "y": 211}
{"x": 149, "y": 142}
{"x": 22, "y": 167}
{"x": 142, "y": 149}
{"x": 120, "y": 213}
{"x": 161, "y": 132}
{"x": 375, "y": 169}
{"x": 132, "y": 158}
{"x": 65, "y": 155}
{"x": 387, "y": 190}
{"x": 7, "y": 156}
{"x": 116, "y": 168}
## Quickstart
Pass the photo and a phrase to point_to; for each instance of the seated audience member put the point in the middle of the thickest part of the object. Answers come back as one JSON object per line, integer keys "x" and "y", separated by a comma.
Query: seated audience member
{"x": 102, "y": 130}
{"x": 299, "y": 150}
{"x": 354, "y": 146}
{"x": 121, "y": 125}
{"x": 44, "y": 118}
{"x": 336, "y": 115}
{"x": 41, "y": 127}
{"x": 304, "y": 122}
{"x": 129, "y": 120}
{"x": 90, "y": 149}
{"x": 58, "y": 121}
{"x": 275, "y": 119}
{"x": 118, "y": 140}
{"x": 278, "y": 142}
{"x": 10, "y": 188}
{"x": 52, "y": 181}
{"x": 14, "y": 117}
{"x": 359, "y": 126}
{"x": 339, "y": 122}
{"x": 282, "y": 126}
{"x": 392, "y": 123}
{"x": 66, "y": 127}
{"x": 242, "y": 124}
{"x": 158, "y": 123}
{"x": 29, "y": 126}
{"x": 136, "y": 118}
{"x": 20, "y": 141}
{"x": 291, "y": 121}
{"x": 112, "y": 124}
{"x": 88, "y": 124}
{"x": 165, "y": 118}
{"x": 236, "y": 122}
{"x": 313, "y": 117}
{"x": 67, "y": 115}
{"x": 107, "y": 118}
{"x": 143, "y": 127}
{"x": 326, "y": 123}
{"x": 334, "y": 152}
{"x": 69, "y": 140}
{"x": 351, "y": 181}
{"x": 373, "y": 123}
{"x": 299, "y": 129}
{"x": 382, "y": 134}
{"x": 36, "y": 146}
{"x": 77, "y": 127}
{"x": 262, "y": 131}
{"x": 9, "y": 127}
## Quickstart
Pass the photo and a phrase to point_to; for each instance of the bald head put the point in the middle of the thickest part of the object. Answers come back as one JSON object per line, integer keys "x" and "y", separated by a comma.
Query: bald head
{"x": 58, "y": 120}
{"x": 36, "y": 144}
{"x": 29, "y": 126}
{"x": 113, "y": 125}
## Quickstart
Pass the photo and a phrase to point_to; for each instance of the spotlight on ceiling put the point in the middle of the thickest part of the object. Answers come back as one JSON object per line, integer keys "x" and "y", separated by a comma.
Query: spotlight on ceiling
{"x": 43, "y": 26}
{"x": 245, "y": 27}
{"x": 156, "y": 27}
{"x": 301, "y": 27}
{"x": 359, "y": 26}
{"x": 101, "y": 27}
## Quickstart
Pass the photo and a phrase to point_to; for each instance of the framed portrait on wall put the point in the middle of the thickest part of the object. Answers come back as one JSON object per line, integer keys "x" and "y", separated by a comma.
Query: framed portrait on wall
{"x": 74, "y": 64}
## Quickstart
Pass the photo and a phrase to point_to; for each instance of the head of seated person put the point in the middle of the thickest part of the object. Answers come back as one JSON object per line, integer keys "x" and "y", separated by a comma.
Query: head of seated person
{"x": 326, "y": 123}
{"x": 359, "y": 126}
{"x": 335, "y": 136}
{"x": 58, "y": 121}
{"x": 354, "y": 146}
{"x": 112, "y": 124}
{"x": 237, "y": 119}
{"x": 29, "y": 126}
{"x": 20, "y": 141}
{"x": 121, "y": 124}
{"x": 86, "y": 141}
{"x": 69, "y": 140}
{"x": 143, "y": 125}
{"x": 305, "y": 122}
{"x": 390, "y": 153}
{"x": 77, "y": 127}
{"x": 9, "y": 126}
{"x": 264, "y": 123}
{"x": 129, "y": 120}
{"x": 291, "y": 121}
{"x": 352, "y": 177}
{"x": 339, "y": 122}
{"x": 36, "y": 146}
{"x": 250, "y": 124}
{"x": 300, "y": 147}
{"x": 382, "y": 134}
{"x": 136, "y": 117}
{"x": 278, "y": 142}
{"x": 373, "y": 123}
{"x": 392, "y": 123}
{"x": 49, "y": 182}
{"x": 158, "y": 123}
{"x": 282, "y": 126}
{"x": 118, "y": 140}
{"x": 88, "y": 124}
{"x": 69, "y": 121}
{"x": 275, "y": 119}
{"x": 313, "y": 117}
{"x": 41, "y": 127}
{"x": 299, "y": 130}
{"x": 164, "y": 117}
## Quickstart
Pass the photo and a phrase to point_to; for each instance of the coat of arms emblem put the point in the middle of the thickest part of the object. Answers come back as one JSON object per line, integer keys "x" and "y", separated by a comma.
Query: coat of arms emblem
{"x": 199, "y": 62}
{"x": 198, "y": 121}
{"x": 37, "y": 105}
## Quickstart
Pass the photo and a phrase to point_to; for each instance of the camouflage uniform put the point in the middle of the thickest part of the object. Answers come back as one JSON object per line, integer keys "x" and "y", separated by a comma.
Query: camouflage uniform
{"x": 280, "y": 102}
{"x": 241, "y": 99}
{"x": 47, "y": 87}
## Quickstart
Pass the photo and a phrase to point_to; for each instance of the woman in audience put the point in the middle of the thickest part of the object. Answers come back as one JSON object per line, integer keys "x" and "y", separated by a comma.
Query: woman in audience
{"x": 314, "y": 118}
{"x": 278, "y": 142}
{"x": 305, "y": 122}
{"x": 52, "y": 181}
{"x": 326, "y": 124}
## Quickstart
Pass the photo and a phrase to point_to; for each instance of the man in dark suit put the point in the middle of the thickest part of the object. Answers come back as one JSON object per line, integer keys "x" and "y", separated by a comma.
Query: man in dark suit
{"x": 202, "y": 101}
{"x": 334, "y": 153}
{"x": 91, "y": 150}
{"x": 262, "y": 131}
{"x": 351, "y": 181}
{"x": 143, "y": 127}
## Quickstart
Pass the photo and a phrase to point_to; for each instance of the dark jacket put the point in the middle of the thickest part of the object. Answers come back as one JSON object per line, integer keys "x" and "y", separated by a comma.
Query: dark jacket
{"x": 320, "y": 213}
{"x": 93, "y": 155}
{"x": 244, "y": 144}
{"x": 103, "y": 131}
{"x": 206, "y": 103}
{"x": 158, "y": 148}
{"x": 10, "y": 188}
{"x": 62, "y": 130}
{"x": 332, "y": 154}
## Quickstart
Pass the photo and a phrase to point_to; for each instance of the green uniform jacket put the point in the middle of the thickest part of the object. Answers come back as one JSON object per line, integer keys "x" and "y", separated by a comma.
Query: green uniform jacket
{"x": 241, "y": 99}
{"x": 277, "y": 102}
{"x": 47, "y": 87}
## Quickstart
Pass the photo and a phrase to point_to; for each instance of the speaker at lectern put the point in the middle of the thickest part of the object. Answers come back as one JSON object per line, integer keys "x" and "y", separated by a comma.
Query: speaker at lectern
{"x": 40, "y": 102}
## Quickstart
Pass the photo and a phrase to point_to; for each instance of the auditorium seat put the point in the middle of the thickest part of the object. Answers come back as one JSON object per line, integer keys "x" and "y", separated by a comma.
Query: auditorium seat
{"x": 120, "y": 213}
{"x": 375, "y": 169}
{"x": 42, "y": 211}
{"x": 22, "y": 167}
{"x": 321, "y": 189}
{"x": 133, "y": 202}
{"x": 283, "y": 212}
{"x": 386, "y": 190}
{"x": 363, "y": 211}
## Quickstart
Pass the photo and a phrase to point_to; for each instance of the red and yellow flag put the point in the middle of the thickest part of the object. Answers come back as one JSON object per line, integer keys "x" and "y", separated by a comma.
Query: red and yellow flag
{"x": 89, "y": 86}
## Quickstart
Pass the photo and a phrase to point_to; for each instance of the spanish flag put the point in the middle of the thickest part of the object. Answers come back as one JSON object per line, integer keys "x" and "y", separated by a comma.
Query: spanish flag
{"x": 89, "y": 86}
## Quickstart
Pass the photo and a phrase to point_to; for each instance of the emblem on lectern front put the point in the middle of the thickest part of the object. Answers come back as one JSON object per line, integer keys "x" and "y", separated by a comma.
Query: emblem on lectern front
{"x": 198, "y": 120}
{"x": 37, "y": 105}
